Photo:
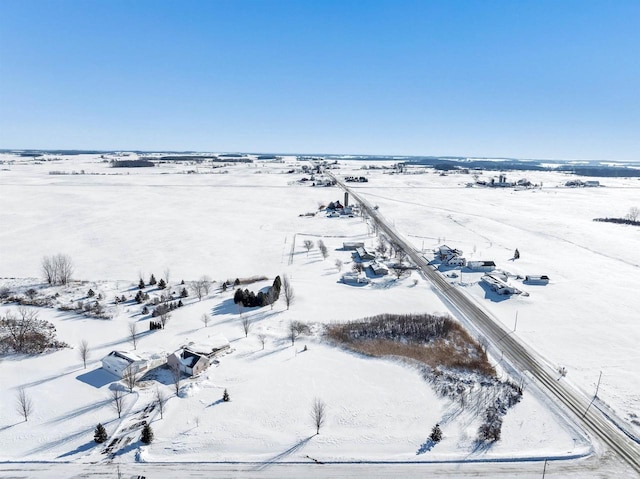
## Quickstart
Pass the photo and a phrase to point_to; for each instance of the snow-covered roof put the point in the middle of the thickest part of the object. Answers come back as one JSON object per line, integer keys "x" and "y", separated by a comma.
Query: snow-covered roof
{"x": 209, "y": 345}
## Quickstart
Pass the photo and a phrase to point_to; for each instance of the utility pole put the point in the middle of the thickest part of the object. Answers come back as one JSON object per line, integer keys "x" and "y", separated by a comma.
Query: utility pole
{"x": 544, "y": 470}
{"x": 598, "y": 385}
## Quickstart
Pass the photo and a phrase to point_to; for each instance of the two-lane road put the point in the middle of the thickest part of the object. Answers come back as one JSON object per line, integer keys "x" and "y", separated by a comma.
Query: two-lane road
{"x": 592, "y": 419}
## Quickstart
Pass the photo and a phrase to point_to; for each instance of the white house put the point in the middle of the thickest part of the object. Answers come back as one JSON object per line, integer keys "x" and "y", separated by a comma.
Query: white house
{"x": 188, "y": 362}
{"x": 117, "y": 362}
{"x": 210, "y": 347}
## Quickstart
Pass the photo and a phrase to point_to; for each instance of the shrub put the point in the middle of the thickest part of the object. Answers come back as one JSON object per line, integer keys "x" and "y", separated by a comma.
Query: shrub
{"x": 147, "y": 434}
{"x": 100, "y": 434}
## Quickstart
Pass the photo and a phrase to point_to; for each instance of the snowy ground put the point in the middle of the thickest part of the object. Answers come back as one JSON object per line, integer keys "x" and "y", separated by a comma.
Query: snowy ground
{"x": 246, "y": 222}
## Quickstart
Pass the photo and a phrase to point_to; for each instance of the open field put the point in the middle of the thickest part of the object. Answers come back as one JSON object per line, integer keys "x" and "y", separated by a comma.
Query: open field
{"x": 118, "y": 224}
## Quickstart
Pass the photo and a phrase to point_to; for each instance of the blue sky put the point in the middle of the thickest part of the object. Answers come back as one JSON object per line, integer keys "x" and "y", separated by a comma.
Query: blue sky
{"x": 539, "y": 79}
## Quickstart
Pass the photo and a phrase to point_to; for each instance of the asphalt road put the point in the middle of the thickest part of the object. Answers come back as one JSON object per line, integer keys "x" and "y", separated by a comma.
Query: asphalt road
{"x": 525, "y": 361}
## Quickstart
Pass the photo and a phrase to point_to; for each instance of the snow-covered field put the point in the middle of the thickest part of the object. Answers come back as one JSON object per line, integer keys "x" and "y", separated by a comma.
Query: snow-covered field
{"x": 118, "y": 224}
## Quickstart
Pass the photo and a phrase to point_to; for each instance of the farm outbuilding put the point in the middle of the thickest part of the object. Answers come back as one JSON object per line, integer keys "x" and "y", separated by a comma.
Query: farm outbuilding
{"x": 537, "y": 279}
{"x": 481, "y": 265}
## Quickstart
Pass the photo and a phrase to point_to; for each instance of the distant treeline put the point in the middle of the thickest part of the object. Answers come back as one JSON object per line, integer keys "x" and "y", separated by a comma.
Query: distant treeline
{"x": 200, "y": 159}
{"x": 620, "y": 221}
{"x": 601, "y": 171}
{"x": 131, "y": 163}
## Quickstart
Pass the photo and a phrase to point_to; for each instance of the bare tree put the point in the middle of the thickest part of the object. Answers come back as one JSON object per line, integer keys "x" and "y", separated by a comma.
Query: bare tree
{"x": 133, "y": 334}
{"x": 63, "y": 268}
{"x": 205, "y": 318}
{"x": 287, "y": 291}
{"x": 117, "y": 401}
{"x": 381, "y": 247}
{"x": 357, "y": 267}
{"x": 83, "y": 351}
{"x": 308, "y": 245}
{"x": 633, "y": 214}
{"x": 318, "y": 413}
{"x": 176, "y": 376}
{"x": 48, "y": 269}
{"x": 323, "y": 249}
{"x": 165, "y": 316}
{"x": 271, "y": 296}
{"x": 296, "y": 328}
{"x": 24, "y": 404}
{"x": 262, "y": 338}
{"x": 161, "y": 400}
{"x": 167, "y": 275}
{"x": 338, "y": 264}
{"x": 201, "y": 287}
{"x": 398, "y": 269}
{"x": 130, "y": 378}
{"x": 246, "y": 325}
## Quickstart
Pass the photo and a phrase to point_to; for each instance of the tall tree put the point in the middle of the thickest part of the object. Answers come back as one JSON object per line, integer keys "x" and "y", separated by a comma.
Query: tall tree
{"x": 83, "y": 352}
{"x": 24, "y": 404}
{"x": 318, "y": 413}
{"x": 287, "y": 291}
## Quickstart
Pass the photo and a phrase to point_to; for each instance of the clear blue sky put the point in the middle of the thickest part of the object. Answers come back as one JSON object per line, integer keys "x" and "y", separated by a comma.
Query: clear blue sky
{"x": 528, "y": 79}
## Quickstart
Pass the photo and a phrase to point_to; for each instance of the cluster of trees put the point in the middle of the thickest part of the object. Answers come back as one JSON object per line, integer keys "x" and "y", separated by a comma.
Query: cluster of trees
{"x": 152, "y": 282}
{"x": 249, "y": 299}
{"x": 24, "y": 332}
{"x": 57, "y": 269}
{"x": 421, "y": 328}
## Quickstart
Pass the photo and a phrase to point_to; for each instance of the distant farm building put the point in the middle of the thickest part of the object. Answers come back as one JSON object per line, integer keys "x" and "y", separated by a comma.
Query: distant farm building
{"x": 481, "y": 265}
{"x": 378, "y": 269}
{"x": 498, "y": 285}
{"x": 539, "y": 279}
{"x": 354, "y": 278}
{"x": 364, "y": 255}
{"x": 443, "y": 252}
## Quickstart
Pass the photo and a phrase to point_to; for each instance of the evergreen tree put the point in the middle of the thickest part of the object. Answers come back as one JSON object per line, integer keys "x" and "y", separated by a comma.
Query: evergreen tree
{"x": 141, "y": 284}
{"x": 436, "y": 433}
{"x": 90, "y": 293}
{"x": 123, "y": 298}
{"x": 162, "y": 284}
{"x": 184, "y": 293}
{"x": 147, "y": 434}
{"x": 225, "y": 396}
{"x": 180, "y": 304}
{"x": 100, "y": 434}
{"x": 516, "y": 254}
{"x": 152, "y": 280}
{"x": 139, "y": 297}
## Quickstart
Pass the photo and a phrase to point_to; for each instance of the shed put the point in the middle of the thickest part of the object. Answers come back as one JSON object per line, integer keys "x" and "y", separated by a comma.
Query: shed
{"x": 352, "y": 245}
